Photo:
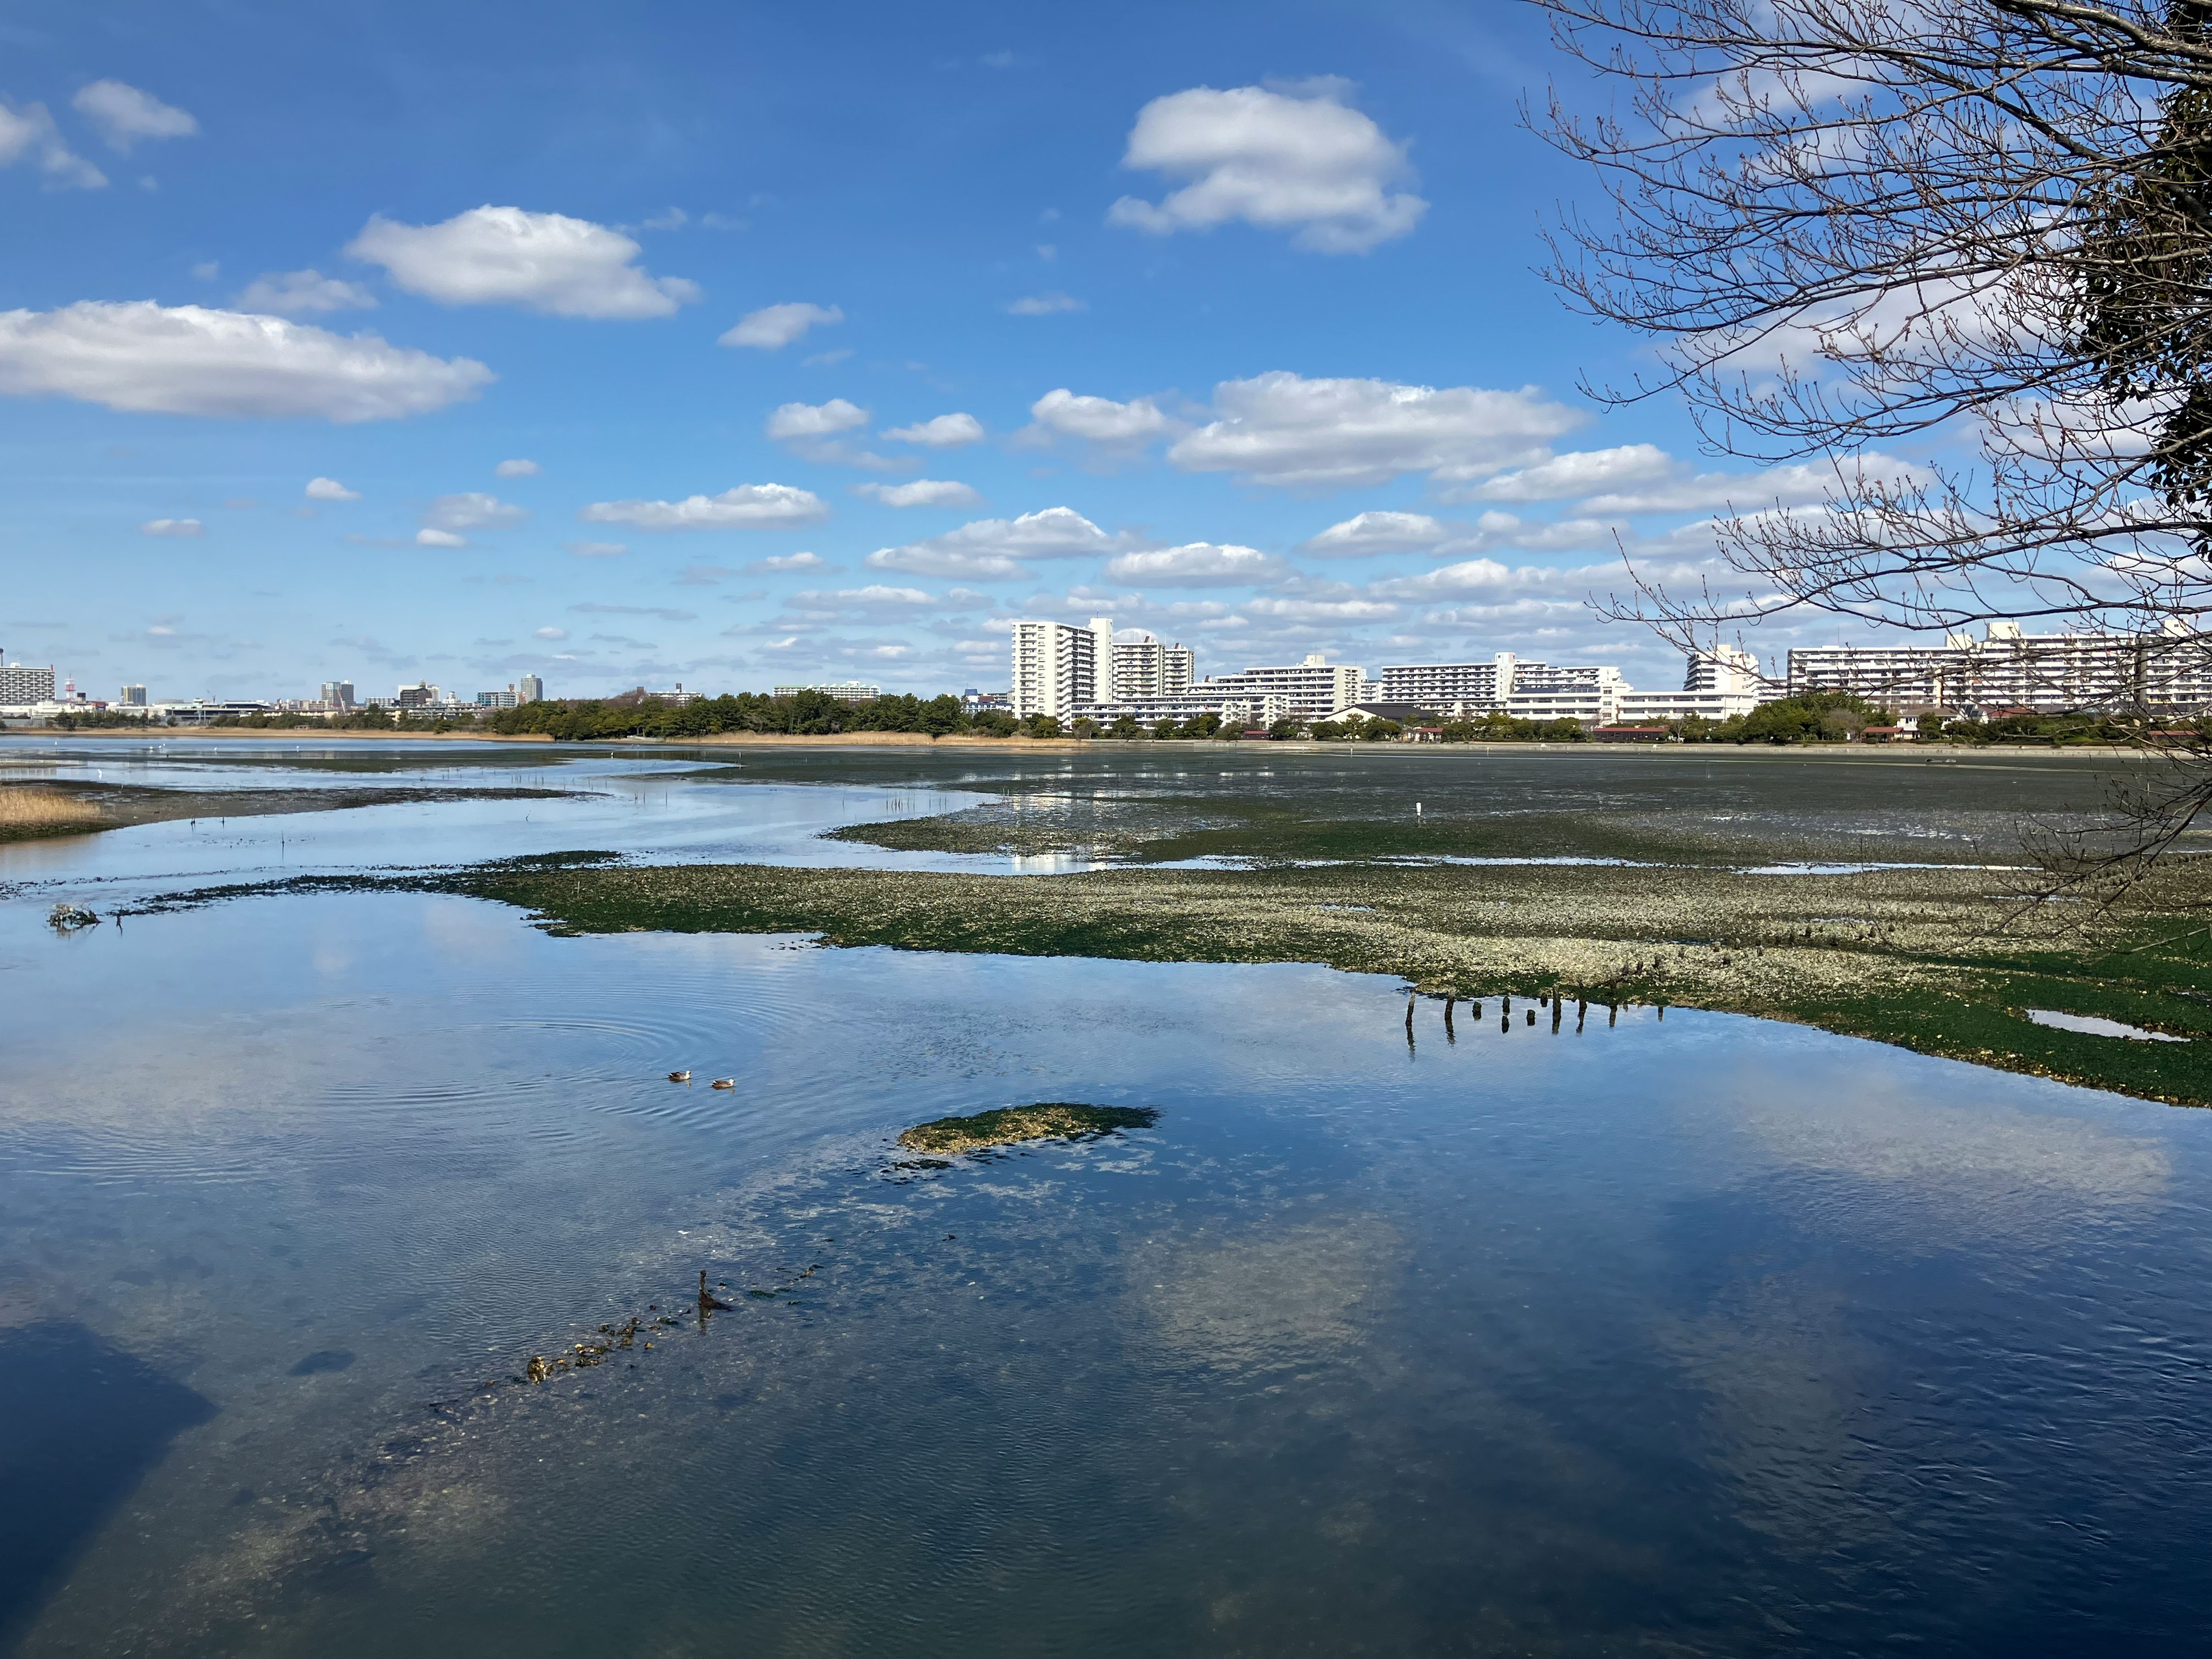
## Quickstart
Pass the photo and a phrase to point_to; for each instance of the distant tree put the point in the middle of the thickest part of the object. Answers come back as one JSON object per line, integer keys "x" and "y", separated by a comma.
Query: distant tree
{"x": 1042, "y": 726}
{"x": 1285, "y": 728}
{"x": 1085, "y": 726}
{"x": 1125, "y": 726}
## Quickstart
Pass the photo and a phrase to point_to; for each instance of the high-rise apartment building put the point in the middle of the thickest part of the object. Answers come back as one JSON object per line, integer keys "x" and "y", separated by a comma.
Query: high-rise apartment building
{"x": 497, "y": 699}
{"x": 530, "y": 688}
{"x": 421, "y": 694}
{"x": 1142, "y": 665}
{"x": 1056, "y": 665}
{"x": 132, "y": 696}
{"x": 21, "y": 683}
{"x": 337, "y": 693}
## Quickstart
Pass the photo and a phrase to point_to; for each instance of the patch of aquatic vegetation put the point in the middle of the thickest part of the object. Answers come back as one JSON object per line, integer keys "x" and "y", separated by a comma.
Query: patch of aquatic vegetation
{"x": 80, "y": 805}
{"x": 1930, "y": 958}
{"x": 1008, "y": 1126}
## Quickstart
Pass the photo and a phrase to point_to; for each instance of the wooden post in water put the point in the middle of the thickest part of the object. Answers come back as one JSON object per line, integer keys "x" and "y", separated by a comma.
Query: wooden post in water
{"x": 1449, "y": 1035}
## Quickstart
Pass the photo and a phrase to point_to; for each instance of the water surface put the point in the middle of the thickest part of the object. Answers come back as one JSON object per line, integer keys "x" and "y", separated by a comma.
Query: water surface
{"x": 1621, "y": 1334}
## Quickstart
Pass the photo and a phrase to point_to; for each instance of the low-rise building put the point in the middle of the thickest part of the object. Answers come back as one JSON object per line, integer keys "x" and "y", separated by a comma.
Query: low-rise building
{"x": 850, "y": 691}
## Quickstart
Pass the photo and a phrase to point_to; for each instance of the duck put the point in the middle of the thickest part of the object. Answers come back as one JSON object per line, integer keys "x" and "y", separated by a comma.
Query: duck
{"x": 725, "y": 1083}
{"x": 680, "y": 1077}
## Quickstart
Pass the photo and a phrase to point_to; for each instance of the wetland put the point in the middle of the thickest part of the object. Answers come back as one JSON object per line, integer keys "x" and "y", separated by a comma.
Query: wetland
{"x": 365, "y": 1276}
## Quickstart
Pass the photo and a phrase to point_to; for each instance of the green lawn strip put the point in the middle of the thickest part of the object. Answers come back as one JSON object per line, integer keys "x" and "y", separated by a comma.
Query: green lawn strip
{"x": 1905, "y": 958}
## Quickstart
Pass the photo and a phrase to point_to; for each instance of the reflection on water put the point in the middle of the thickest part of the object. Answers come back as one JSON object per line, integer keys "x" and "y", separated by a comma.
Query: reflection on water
{"x": 1406, "y": 1328}
{"x": 1706, "y": 1335}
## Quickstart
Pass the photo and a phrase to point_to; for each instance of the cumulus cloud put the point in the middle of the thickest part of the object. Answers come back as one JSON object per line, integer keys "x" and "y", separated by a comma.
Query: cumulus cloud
{"x": 516, "y": 469}
{"x": 330, "y": 489}
{"x": 1298, "y": 159}
{"x": 1320, "y": 611}
{"x": 1368, "y": 533}
{"x": 143, "y": 358}
{"x": 790, "y": 421}
{"x": 434, "y": 537}
{"x": 874, "y": 597}
{"x": 1050, "y": 303}
{"x": 1122, "y": 429}
{"x": 1804, "y": 484}
{"x": 1195, "y": 564}
{"x": 304, "y": 293}
{"x": 170, "y": 527}
{"x": 782, "y": 562}
{"x": 552, "y": 633}
{"x": 1582, "y": 473}
{"x": 922, "y": 492}
{"x": 596, "y": 550}
{"x": 774, "y": 327}
{"x": 544, "y": 262}
{"x": 1320, "y": 435}
{"x": 748, "y": 507}
{"x": 122, "y": 115}
{"x": 989, "y": 549}
{"x": 29, "y": 133}
{"x": 472, "y": 510}
{"x": 940, "y": 432}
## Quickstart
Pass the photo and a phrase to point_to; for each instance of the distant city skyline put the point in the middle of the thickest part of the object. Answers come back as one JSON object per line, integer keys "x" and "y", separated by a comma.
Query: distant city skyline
{"x": 787, "y": 351}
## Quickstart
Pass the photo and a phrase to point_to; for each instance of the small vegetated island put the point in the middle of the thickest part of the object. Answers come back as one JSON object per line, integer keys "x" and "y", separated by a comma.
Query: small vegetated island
{"x": 1010, "y": 1125}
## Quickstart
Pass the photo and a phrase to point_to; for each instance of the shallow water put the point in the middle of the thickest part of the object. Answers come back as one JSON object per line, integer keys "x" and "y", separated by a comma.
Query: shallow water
{"x": 1698, "y": 1335}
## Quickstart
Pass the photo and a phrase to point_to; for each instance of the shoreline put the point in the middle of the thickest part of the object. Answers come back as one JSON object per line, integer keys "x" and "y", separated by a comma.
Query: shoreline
{"x": 1104, "y": 745}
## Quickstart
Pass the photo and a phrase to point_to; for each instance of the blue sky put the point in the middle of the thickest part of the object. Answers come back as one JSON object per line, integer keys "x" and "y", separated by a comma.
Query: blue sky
{"x": 736, "y": 344}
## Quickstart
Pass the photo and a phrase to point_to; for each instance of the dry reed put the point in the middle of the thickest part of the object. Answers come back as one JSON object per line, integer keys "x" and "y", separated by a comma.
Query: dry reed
{"x": 44, "y": 811}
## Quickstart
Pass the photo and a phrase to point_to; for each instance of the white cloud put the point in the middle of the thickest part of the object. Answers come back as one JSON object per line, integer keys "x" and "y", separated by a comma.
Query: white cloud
{"x": 791, "y": 420}
{"x": 748, "y": 507}
{"x": 304, "y": 293}
{"x": 1051, "y": 303}
{"x": 1297, "y": 160}
{"x": 30, "y": 131}
{"x": 940, "y": 432}
{"x": 1582, "y": 473}
{"x": 1319, "y": 434}
{"x": 1488, "y": 580}
{"x": 545, "y": 261}
{"x": 922, "y": 492}
{"x": 1320, "y": 611}
{"x": 596, "y": 550}
{"x": 144, "y": 358}
{"x": 874, "y": 597}
{"x": 439, "y": 538}
{"x": 1368, "y": 533}
{"x": 1804, "y": 484}
{"x": 992, "y": 548}
{"x": 774, "y": 327}
{"x": 472, "y": 510}
{"x": 122, "y": 115}
{"x": 330, "y": 489}
{"x": 170, "y": 527}
{"x": 552, "y": 633}
{"x": 1100, "y": 421}
{"x": 207, "y": 270}
{"x": 783, "y": 562}
{"x": 516, "y": 469}
{"x": 1195, "y": 564}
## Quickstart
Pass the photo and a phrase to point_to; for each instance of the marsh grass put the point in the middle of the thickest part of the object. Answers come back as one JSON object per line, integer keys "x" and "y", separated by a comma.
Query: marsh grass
{"x": 28, "y": 812}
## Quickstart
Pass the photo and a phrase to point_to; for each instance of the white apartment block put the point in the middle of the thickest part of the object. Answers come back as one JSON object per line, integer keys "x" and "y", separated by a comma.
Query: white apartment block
{"x": 848, "y": 691}
{"x": 1140, "y": 665}
{"x": 20, "y": 684}
{"x": 1716, "y": 685}
{"x": 2169, "y": 672}
{"x": 1057, "y": 666}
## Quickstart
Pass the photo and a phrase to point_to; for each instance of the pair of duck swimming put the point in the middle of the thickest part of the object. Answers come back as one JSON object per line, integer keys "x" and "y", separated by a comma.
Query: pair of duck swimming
{"x": 719, "y": 1083}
